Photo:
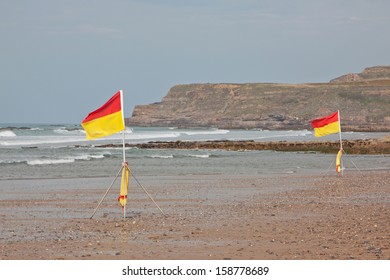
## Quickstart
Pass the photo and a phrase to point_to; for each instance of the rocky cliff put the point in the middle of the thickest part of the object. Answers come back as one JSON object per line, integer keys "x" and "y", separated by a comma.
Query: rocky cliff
{"x": 363, "y": 100}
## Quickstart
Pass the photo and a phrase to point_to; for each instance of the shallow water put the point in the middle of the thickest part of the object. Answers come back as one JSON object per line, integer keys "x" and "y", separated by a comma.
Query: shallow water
{"x": 61, "y": 151}
{"x": 196, "y": 162}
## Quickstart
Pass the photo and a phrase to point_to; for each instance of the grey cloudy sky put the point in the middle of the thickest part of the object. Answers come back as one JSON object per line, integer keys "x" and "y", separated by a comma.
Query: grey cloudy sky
{"x": 59, "y": 60}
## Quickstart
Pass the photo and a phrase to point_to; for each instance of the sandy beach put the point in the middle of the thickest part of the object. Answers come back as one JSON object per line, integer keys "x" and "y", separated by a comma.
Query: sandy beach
{"x": 209, "y": 216}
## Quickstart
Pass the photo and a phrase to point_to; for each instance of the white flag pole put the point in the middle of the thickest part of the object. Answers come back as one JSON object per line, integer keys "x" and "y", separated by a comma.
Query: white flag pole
{"x": 123, "y": 131}
{"x": 123, "y": 146}
{"x": 341, "y": 142}
{"x": 123, "y": 166}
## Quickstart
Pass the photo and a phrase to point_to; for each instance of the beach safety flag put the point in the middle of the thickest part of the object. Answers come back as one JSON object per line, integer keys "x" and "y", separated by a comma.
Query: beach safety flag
{"x": 327, "y": 125}
{"x": 106, "y": 120}
{"x": 124, "y": 184}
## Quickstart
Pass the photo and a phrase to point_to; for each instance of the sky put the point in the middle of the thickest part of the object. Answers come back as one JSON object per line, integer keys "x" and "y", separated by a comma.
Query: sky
{"x": 60, "y": 60}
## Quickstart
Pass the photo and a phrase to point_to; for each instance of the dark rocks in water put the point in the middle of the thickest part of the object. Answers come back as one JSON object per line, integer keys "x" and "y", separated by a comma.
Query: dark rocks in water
{"x": 377, "y": 146}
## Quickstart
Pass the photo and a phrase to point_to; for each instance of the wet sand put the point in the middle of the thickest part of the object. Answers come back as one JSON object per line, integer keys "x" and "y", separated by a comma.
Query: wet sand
{"x": 214, "y": 216}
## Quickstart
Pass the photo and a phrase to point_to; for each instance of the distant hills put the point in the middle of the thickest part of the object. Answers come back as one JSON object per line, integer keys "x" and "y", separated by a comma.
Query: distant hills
{"x": 362, "y": 98}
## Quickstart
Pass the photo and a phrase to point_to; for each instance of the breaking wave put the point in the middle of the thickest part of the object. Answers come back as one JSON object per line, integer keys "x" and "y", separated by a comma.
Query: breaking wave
{"x": 199, "y": 156}
{"x": 7, "y": 133}
{"x": 69, "y": 131}
{"x": 160, "y": 156}
{"x": 207, "y": 132}
{"x": 51, "y": 161}
{"x": 179, "y": 156}
{"x": 65, "y": 160}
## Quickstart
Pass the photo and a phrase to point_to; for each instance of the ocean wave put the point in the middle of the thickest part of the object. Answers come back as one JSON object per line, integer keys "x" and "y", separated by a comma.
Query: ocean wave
{"x": 207, "y": 132}
{"x": 22, "y": 128}
{"x": 18, "y": 127}
{"x": 10, "y": 162}
{"x": 88, "y": 157}
{"x": 302, "y": 132}
{"x": 283, "y": 134}
{"x": 159, "y": 156}
{"x": 69, "y": 131}
{"x": 7, "y": 133}
{"x": 199, "y": 156}
{"x": 179, "y": 156}
{"x": 42, "y": 140}
{"x": 49, "y": 161}
{"x": 128, "y": 130}
{"x": 65, "y": 160}
{"x": 139, "y": 136}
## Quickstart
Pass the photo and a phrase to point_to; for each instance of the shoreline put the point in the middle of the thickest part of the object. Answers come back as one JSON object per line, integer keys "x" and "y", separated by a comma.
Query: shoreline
{"x": 370, "y": 146}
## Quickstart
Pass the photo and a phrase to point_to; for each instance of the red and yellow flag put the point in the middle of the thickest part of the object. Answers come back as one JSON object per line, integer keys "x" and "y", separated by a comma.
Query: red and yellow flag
{"x": 326, "y": 125}
{"x": 106, "y": 120}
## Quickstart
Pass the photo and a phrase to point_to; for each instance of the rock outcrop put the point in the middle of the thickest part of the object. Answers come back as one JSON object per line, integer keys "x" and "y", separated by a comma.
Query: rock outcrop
{"x": 363, "y": 100}
{"x": 370, "y": 146}
{"x": 368, "y": 74}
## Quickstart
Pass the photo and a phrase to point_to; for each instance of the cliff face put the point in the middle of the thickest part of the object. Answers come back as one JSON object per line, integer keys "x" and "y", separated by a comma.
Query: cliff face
{"x": 368, "y": 74}
{"x": 363, "y": 100}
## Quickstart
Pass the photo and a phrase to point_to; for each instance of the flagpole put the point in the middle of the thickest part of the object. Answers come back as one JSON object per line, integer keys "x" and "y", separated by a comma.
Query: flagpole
{"x": 123, "y": 148}
{"x": 94, "y": 130}
{"x": 341, "y": 142}
{"x": 124, "y": 166}
{"x": 123, "y": 131}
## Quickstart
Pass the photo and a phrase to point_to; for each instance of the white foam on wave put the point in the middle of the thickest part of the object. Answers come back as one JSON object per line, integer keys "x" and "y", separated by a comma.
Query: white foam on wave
{"x": 128, "y": 130}
{"x": 207, "y": 132}
{"x": 160, "y": 156}
{"x": 88, "y": 157}
{"x": 12, "y": 161}
{"x": 65, "y": 131}
{"x": 199, "y": 156}
{"x": 42, "y": 140}
{"x": 7, "y": 133}
{"x": 139, "y": 136}
{"x": 179, "y": 156}
{"x": 302, "y": 132}
{"x": 49, "y": 161}
{"x": 281, "y": 134}
{"x": 84, "y": 157}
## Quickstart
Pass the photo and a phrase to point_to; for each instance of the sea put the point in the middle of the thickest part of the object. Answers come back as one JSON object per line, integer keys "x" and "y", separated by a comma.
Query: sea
{"x": 34, "y": 151}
